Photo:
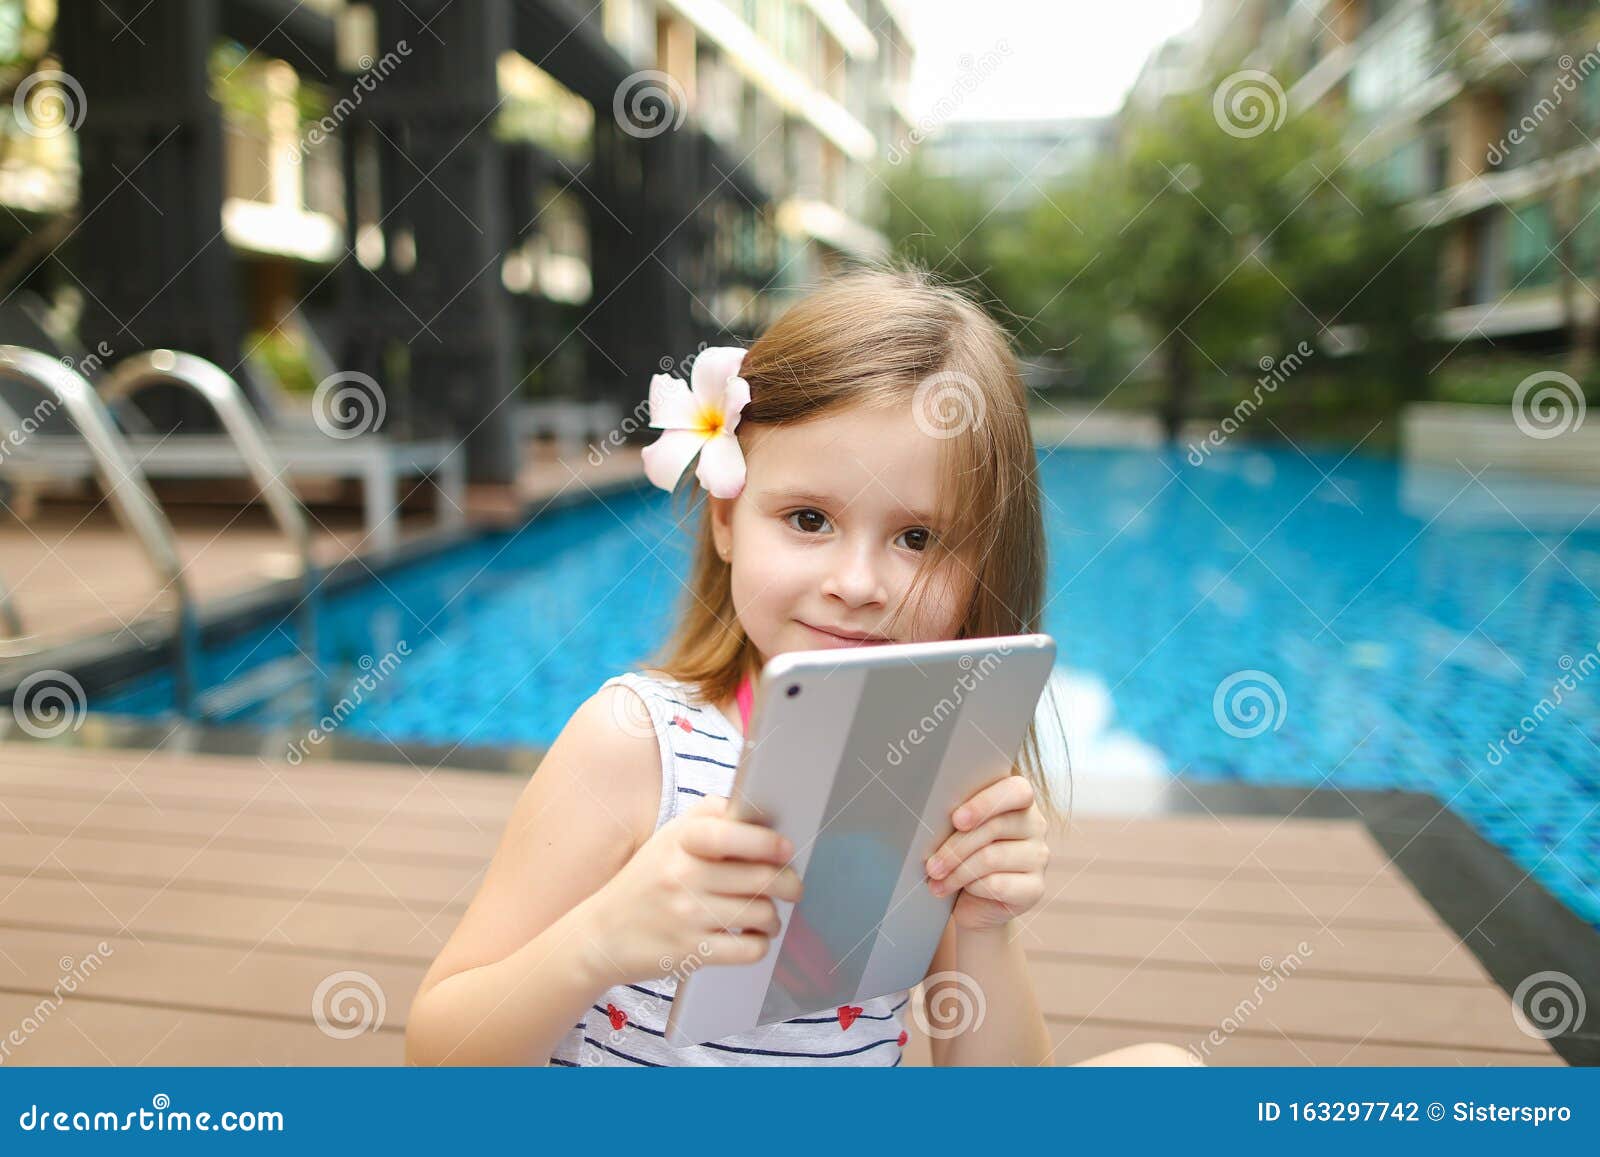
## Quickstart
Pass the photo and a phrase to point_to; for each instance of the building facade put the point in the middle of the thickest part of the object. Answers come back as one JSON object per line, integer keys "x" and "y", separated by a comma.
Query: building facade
{"x": 473, "y": 204}
{"x": 1013, "y": 162}
{"x": 1482, "y": 117}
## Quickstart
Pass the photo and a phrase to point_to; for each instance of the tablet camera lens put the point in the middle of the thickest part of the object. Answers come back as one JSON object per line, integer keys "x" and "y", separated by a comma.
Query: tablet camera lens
{"x": 794, "y": 689}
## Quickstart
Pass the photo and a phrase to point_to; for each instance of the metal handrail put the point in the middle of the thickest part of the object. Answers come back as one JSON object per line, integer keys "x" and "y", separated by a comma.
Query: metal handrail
{"x": 10, "y": 617}
{"x": 126, "y": 489}
{"x": 211, "y": 382}
{"x": 10, "y": 620}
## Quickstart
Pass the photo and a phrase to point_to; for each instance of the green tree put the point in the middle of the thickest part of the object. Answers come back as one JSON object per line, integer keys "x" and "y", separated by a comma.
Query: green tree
{"x": 1188, "y": 252}
{"x": 24, "y": 52}
{"x": 1227, "y": 239}
{"x": 952, "y": 229}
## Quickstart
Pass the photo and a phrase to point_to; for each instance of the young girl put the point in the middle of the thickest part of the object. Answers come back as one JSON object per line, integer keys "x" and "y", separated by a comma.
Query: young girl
{"x": 870, "y": 478}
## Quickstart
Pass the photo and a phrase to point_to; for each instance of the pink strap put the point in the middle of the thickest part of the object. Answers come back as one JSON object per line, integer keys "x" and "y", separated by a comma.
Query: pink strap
{"x": 745, "y": 697}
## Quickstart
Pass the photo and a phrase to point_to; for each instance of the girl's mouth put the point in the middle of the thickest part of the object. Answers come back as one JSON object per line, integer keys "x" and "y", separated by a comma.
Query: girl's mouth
{"x": 839, "y": 637}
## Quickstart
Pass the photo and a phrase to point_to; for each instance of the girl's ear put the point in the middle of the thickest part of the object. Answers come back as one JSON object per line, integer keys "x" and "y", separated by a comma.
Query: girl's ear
{"x": 722, "y": 525}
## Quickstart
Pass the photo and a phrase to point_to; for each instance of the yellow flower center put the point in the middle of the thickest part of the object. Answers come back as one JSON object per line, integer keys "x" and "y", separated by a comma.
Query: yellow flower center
{"x": 709, "y": 422}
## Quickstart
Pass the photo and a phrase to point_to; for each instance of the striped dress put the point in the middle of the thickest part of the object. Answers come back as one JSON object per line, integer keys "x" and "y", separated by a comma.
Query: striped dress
{"x": 627, "y": 1026}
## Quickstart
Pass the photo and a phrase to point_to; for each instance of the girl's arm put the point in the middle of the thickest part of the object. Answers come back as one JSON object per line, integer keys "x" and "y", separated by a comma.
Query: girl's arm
{"x": 524, "y": 963}
{"x": 993, "y": 977}
{"x": 585, "y": 893}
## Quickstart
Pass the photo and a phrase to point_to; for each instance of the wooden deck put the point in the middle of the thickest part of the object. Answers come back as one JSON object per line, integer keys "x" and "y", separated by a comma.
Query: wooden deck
{"x": 226, "y": 890}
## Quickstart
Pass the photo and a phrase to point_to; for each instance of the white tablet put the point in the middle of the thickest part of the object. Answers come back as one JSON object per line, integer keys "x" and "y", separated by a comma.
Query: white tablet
{"x": 859, "y": 756}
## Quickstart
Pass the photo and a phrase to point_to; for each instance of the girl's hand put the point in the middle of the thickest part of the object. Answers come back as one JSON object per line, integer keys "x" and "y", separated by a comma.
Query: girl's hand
{"x": 997, "y": 855}
{"x": 674, "y": 902}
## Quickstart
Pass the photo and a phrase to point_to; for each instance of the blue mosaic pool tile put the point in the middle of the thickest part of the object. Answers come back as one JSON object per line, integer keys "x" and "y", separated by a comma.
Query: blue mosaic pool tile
{"x": 1406, "y": 639}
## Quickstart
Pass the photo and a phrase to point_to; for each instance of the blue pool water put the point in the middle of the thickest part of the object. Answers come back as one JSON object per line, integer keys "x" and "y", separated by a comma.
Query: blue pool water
{"x": 1371, "y": 628}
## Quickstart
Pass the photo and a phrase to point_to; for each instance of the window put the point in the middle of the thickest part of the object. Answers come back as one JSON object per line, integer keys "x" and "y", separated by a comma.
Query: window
{"x": 718, "y": 97}
{"x": 1486, "y": 234}
{"x": 1525, "y": 15}
{"x": 1406, "y": 171}
{"x": 1529, "y": 238}
{"x": 1590, "y": 96}
{"x": 1393, "y": 68}
{"x": 1587, "y": 238}
{"x": 1438, "y": 175}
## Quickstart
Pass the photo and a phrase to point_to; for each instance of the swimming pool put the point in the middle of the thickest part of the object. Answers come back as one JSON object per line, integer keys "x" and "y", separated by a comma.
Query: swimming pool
{"x": 1267, "y": 616}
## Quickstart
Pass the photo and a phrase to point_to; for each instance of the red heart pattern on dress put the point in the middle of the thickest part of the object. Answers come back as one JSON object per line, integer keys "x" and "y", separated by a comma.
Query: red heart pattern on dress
{"x": 683, "y": 722}
{"x": 848, "y": 1014}
{"x": 618, "y": 1017}
{"x": 904, "y": 1036}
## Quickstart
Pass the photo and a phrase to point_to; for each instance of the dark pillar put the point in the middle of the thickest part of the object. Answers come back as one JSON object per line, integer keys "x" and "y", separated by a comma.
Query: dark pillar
{"x": 148, "y": 246}
{"x": 643, "y": 280}
{"x": 443, "y": 193}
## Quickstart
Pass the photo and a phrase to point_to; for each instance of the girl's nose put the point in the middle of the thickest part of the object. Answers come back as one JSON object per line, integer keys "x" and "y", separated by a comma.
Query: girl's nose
{"x": 854, "y": 579}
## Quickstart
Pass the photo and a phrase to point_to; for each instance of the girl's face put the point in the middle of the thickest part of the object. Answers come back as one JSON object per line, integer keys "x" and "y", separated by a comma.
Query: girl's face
{"x": 829, "y": 531}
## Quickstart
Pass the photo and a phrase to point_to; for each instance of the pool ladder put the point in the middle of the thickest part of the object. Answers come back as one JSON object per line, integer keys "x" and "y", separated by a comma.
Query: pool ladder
{"x": 10, "y": 621}
{"x": 141, "y": 514}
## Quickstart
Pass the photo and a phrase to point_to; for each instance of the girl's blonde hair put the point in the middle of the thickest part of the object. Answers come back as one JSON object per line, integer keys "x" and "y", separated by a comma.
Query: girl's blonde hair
{"x": 889, "y": 336}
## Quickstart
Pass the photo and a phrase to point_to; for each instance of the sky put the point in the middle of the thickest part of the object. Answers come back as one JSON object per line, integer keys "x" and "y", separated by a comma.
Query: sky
{"x": 1065, "y": 58}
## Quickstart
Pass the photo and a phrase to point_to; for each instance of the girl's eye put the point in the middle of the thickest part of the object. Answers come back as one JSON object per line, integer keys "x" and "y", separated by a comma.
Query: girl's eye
{"x": 808, "y": 521}
{"x": 917, "y": 538}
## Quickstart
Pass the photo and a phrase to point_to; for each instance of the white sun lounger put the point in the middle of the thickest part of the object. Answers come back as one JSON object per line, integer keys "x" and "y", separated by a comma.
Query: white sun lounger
{"x": 378, "y": 462}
